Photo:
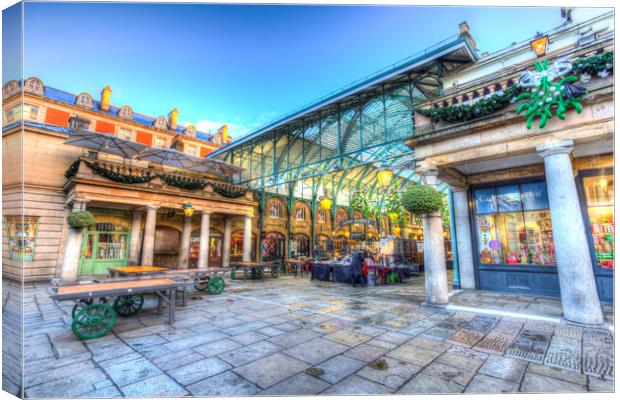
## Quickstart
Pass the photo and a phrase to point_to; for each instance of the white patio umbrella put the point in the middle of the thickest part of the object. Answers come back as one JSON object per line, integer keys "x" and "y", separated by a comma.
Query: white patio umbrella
{"x": 105, "y": 143}
{"x": 218, "y": 167}
{"x": 169, "y": 157}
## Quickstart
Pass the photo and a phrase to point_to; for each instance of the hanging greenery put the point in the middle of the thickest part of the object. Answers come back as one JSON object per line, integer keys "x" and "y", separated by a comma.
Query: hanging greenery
{"x": 547, "y": 96}
{"x": 230, "y": 193}
{"x": 181, "y": 183}
{"x": 117, "y": 176}
{"x": 368, "y": 208}
{"x": 598, "y": 64}
{"x": 467, "y": 112}
{"x": 73, "y": 169}
{"x": 422, "y": 199}
{"x": 80, "y": 219}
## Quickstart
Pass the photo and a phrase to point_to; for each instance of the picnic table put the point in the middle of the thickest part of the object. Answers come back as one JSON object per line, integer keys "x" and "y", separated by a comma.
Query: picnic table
{"x": 92, "y": 320}
{"x": 256, "y": 269}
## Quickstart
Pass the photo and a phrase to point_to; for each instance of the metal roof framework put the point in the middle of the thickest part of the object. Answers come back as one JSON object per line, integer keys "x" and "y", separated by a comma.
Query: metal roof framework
{"x": 338, "y": 142}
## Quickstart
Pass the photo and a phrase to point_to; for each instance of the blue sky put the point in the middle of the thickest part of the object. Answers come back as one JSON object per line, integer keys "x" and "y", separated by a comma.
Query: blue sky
{"x": 240, "y": 64}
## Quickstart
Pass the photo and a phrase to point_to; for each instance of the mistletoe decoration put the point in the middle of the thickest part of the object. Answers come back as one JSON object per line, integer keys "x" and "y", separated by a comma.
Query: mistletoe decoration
{"x": 546, "y": 95}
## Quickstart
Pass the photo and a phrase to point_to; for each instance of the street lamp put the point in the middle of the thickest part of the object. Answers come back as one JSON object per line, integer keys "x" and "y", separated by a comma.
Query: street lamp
{"x": 384, "y": 176}
{"x": 188, "y": 210}
{"x": 539, "y": 45}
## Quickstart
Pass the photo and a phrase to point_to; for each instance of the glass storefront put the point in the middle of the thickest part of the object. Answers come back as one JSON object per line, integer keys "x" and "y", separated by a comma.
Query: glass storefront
{"x": 599, "y": 194}
{"x": 513, "y": 225}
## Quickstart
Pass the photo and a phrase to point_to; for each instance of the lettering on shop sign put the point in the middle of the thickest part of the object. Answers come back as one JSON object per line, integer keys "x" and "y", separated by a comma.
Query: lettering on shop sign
{"x": 354, "y": 221}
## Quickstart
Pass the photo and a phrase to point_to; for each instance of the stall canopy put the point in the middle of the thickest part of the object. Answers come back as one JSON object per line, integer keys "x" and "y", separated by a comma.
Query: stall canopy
{"x": 105, "y": 143}
{"x": 338, "y": 142}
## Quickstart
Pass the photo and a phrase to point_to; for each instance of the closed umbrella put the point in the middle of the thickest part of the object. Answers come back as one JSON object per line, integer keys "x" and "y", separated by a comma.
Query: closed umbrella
{"x": 105, "y": 143}
{"x": 169, "y": 157}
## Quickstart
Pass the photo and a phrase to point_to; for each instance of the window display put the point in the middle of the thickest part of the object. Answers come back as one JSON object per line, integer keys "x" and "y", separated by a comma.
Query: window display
{"x": 599, "y": 192}
{"x": 22, "y": 232}
{"x": 513, "y": 225}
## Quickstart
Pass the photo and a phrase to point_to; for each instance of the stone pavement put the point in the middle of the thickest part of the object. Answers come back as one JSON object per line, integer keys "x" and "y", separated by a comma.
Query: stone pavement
{"x": 290, "y": 336}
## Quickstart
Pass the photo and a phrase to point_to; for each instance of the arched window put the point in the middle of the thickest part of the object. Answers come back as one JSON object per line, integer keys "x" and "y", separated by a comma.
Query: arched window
{"x": 160, "y": 123}
{"x": 190, "y": 131}
{"x": 125, "y": 112}
{"x": 34, "y": 85}
{"x": 84, "y": 100}
{"x": 10, "y": 89}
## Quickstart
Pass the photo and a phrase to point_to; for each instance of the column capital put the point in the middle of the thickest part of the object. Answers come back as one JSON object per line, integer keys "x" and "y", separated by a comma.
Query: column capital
{"x": 559, "y": 147}
{"x": 429, "y": 174}
{"x": 151, "y": 207}
{"x": 459, "y": 188}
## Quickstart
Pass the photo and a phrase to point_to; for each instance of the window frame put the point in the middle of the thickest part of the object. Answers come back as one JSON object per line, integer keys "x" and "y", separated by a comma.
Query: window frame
{"x": 76, "y": 119}
{"x": 274, "y": 207}
{"x": 122, "y": 129}
{"x": 20, "y": 219}
{"x": 157, "y": 138}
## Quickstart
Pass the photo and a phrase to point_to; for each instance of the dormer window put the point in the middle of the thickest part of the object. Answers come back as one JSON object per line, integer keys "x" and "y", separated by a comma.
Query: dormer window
{"x": 10, "y": 89}
{"x": 125, "y": 112}
{"x": 190, "y": 131}
{"x": 34, "y": 85}
{"x": 160, "y": 123}
{"x": 84, "y": 100}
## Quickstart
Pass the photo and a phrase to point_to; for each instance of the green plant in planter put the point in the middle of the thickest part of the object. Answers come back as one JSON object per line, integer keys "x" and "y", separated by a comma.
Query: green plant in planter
{"x": 80, "y": 219}
{"x": 422, "y": 199}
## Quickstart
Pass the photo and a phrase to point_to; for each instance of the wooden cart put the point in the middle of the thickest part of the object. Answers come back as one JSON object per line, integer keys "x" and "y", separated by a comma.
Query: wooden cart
{"x": 256, "y": 269}
{"x": 210, "y": 279}
{"x": 94, "y": 319}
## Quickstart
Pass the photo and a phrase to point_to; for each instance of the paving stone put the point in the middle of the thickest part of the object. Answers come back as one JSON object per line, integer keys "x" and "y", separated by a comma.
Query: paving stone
{"x": 509, "y": 325}
{"x": 87, "y": 369}
{"x": 348, "y": 337}
{"x": 102, "y": 393}
{"x": 381, "y": 343}
{"x": 600, "y": 385}
{"x": 195, "y": 340}
{"x": 437, "y": 333}
{"x": 482, "y": 323}
{"x": 271, "y": 370}
{"x": 248, "y": 338}
{"x": 564, "y": 352}
{"x": 423, "y": 383}
{"x": 270, "y": 331}
{"x": 154, "y": 351}
{"x": 245, "y": 327}
{"x": 289, "y": 326}
{"x": 397, "y": 373}
{"x": 543, "y": 384}
{"x": 509, "y": 369}
{"x": 293, "y": 338}
{"x": 67, "y": 348}
{"x": 414, "y": 355}
{"x": 198, "y": 370}
{"x": 177, "y": 359}
{"x": 538, "y": 326}
{"x": 463, "y": 358}
{"x": 394, "y": 337}
{"x": 217, "y": 347}
{"x": 145, "y": 341}
{"x": 156, "y": 386}
{"x": 131, "y": 371}
{"x": 224, "y": 323}
{"x": 529, "y": 345}
{"x": 245, "y": 354}
{"x": 449, "y": 373}
{"x": 558, "y": 373}
{"x": 365, "y": 352}
{"x": 427, "y": 343}
{"x": 316, "y": 351}
{"x": 488, "y": 384}
{"x": 465, "y": 338}
{"x": 70, "y": 386}
{"x": 225, "y": 384}
{"x": 300, "y": 384}
{"x": 598, "y": 356}
{"x": 357, "y": 385}
{"x": 339, "y": 367}
{"x": 496, "y": 341}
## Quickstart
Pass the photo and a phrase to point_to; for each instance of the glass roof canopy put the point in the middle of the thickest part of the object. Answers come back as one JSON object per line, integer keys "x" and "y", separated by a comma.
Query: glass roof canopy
{"x": 339, "y": 141}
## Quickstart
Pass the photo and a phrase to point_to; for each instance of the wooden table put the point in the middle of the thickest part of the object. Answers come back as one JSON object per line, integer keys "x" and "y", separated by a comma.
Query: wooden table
{"x": 257, "y": 269}
{"x": 96, "y": 319}
{"x": 135, "y": 270}
{"x": 296, "y": 264}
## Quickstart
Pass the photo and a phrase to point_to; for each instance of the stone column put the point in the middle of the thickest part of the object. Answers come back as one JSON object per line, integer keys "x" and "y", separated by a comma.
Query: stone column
{"x": 580, "y": 301}
{"x": 134, "y": 242}
{"x": 148, "y": 242}
{"x": 73, "y": 247}
{"x": 435, "y": 273}
{"x": 185, "y": 243}
{"x": 203, "y": 249}
{"x": 463, "y": 237}
{"x": 227, "y": 235}
{"x": 247, "y": 239}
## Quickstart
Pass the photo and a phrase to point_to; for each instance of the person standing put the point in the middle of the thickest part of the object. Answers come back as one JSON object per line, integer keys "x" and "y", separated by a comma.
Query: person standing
{"x": 356, "y": 268}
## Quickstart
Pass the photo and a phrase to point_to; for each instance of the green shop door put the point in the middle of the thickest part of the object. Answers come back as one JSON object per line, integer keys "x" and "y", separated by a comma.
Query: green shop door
{"x": 104, "y": 247}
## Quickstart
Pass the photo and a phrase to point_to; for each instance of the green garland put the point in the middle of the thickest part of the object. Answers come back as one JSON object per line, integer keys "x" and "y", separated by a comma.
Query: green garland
{"x": 181, "y": 183}
{"x": 594, "y": 64}
{"x": 466, "y": 112}
{"x": 118, "y": 177}
{"x": 229, "y": 193}
{"x": 73, "y": 169}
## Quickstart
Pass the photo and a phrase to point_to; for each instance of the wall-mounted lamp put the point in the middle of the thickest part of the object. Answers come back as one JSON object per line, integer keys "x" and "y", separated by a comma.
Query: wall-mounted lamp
{"x": 188, "y": 209}
{"x": 539, "y": 45}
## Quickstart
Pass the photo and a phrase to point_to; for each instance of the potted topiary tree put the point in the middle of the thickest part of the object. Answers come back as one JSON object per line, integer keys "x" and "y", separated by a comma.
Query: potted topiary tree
{"x": 422, "y": 200}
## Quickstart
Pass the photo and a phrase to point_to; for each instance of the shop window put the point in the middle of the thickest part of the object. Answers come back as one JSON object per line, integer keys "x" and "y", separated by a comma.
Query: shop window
{"x": 274, "y": 210}
{"x": 599, "y": 192}
{"x": 272, "y": 246}
{"x": 300, "y": 245}
{"x": 300, "y": 213}
{"x": 513, "y": 225}
{"x": 79, "y": 123}
{"x": 236, "y": 246}
{"x": 124, "y": 133}
{"x": 22, "y": 233}
{"x": 111, "y": 241}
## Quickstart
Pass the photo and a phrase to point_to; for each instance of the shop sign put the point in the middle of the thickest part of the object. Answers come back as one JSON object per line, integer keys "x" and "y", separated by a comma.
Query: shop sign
{"x": 356, "y": 221}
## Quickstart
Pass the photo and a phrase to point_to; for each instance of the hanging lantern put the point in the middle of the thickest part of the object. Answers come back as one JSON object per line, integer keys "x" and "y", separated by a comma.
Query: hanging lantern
{"x": 188, "y": 210}
{"x": 384, "y": 176}
{"x": 397, "y": 230}
{"x": 326, "y": 203}
{"x": 393, "y": 215}
{"x": 539, "y": 45}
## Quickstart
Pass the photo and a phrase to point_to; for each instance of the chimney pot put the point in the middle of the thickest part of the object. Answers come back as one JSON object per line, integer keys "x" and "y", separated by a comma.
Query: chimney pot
{"x": 105, "y": 98}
